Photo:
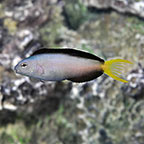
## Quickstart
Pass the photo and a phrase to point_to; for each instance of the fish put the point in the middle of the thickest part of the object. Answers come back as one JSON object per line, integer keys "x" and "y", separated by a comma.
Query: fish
{"x": 69, "y": 64}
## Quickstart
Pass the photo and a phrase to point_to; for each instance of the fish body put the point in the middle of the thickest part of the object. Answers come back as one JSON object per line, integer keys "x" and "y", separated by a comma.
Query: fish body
{"x": 61, "y": 64}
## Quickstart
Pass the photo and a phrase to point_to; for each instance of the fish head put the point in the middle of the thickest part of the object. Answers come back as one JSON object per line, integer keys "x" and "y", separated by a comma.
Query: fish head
{"x": 26, "y": 67}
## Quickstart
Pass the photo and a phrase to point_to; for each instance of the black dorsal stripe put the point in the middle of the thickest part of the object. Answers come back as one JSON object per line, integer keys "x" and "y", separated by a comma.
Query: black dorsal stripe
{"x": 71, "y": 52}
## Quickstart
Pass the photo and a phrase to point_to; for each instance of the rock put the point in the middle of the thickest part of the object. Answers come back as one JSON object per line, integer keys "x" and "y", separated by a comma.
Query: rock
{"x": 135, "y": 88}
{"x": 123, "y": 6}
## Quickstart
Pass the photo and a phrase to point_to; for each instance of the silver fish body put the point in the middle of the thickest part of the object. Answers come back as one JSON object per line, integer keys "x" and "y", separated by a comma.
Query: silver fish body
{"x": 57, "y": 67}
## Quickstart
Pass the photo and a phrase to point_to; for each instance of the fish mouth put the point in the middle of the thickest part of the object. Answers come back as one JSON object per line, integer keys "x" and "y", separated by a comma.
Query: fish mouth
{"x": 15, "y": 69}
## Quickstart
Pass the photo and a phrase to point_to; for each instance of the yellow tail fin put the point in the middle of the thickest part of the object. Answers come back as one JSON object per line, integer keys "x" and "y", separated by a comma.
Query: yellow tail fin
{"x": 114, "y": 68}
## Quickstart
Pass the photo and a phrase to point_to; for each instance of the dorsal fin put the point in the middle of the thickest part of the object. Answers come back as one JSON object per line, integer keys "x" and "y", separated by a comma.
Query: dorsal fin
{"x": 71, "y": 52}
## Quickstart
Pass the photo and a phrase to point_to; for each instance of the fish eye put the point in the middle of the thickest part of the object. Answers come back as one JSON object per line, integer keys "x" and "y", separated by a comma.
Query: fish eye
{"x": 23, "y": 65}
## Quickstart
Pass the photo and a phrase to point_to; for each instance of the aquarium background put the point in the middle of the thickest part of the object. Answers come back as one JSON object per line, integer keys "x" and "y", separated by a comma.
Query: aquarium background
{"x": 102, "y": 111}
